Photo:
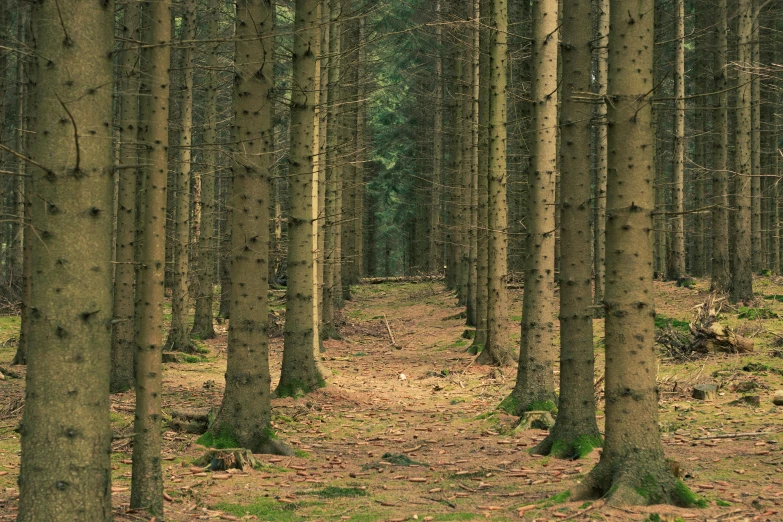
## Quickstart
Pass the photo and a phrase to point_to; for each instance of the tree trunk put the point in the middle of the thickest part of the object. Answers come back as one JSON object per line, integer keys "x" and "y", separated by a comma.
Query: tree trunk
{"x": 178, "y": 338}
{"x": 756, "y": 244}
{"x": 482, "y": 168}
{"x": 632, "y": 469}
{"x": 147, "y": 479}
{"x": 601, "y": 153}
{"x": 742, "y": 274}
{"x": 245, "y": 414}
{"x": 535, "y": 386}
{"x": 349, "y": 182}
{"x": 202, "y": 321}
{"x": 125, "y": 272}
{"x": 65, "y": 432}
{"x": 575, "y": 432}
{"x": 435, "y": 261}
{"x": 332, "y": 167}
{"x": 720, "y": 269}
{"x": 471, "y": 154}
{"x": 676, "y": 266}
{"x": 496, "y": 350}
{"x": 301, "y": 372}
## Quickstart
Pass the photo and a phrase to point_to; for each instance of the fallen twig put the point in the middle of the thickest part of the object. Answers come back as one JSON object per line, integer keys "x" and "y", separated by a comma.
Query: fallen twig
{"x": 388, "y": 329}
{"x": 736, "y": 435}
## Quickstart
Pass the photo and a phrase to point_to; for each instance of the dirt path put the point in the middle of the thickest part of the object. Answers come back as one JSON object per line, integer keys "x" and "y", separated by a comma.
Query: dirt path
{"x": 425, "y": 404}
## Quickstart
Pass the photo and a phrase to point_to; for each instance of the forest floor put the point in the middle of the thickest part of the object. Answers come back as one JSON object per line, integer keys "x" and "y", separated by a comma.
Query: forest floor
{"x": 428, "y": 401}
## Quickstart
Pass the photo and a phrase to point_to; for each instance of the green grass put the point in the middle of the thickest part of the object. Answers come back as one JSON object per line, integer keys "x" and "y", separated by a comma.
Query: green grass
{"x": 264, "y": 508}
{"x": 336, "y": 492}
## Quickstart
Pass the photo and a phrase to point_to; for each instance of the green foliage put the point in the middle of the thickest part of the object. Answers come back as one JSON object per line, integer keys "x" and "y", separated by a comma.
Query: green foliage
{"x": 335, "y": 492}
{"x": 559, "y": 498}
{"x": 224, "y": 439}
{"x": 263, "y": 508}
{"x": 662, "y": 321}
{"x": 752, "y": 314}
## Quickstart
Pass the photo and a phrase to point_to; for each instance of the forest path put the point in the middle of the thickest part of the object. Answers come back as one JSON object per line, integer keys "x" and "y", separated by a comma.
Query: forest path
{"x": 468, "y": 462}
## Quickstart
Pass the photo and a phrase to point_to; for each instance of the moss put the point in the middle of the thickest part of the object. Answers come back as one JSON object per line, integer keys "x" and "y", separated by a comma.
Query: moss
{"x": 649, "y": 490}
{"x": 722, "y": 503}
{"x": 263, "y": 508}
{"x": 301, "y": 454}
{"x": 549, "y": 406}
{"x": 585, "y": 505}
{"x": 297, "y": 389}
{"x": 335, "y": 492}
{"x": 682, "y": 496}
{"x": 577, "y": 448}
{"x": 224, "y": 439}
{"x": 559, "y": 498}
{"x": 509, "y": 405}
{"x": 486, "y": 415}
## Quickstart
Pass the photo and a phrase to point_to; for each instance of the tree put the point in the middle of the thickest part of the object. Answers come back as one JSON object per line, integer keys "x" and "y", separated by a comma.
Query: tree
{"x": 742, "y": 272}
{"x": 179, "y": 338}
{"x": 575, "y": 432}
{"x": 66, "y": 437}
{"x": 632, "y": 469}
{"x": 601, "y": 151}
{"x": 245, "y": 414}
{"x": 147, "y": 477}
{"x": 496, "y": 349}
{"x": 535, "y": 386}
{"x": 720, "y": 269}
{"x": 125, "y": 271}
{"x": 203, "y": 319}
{"x": 676, "y": 266}
{"x": 301, "y": 372}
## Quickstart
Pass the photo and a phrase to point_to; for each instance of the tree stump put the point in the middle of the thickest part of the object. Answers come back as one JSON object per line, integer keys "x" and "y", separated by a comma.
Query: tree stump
{"x": 705, "y": 392}
{"x": 223, "y": 459}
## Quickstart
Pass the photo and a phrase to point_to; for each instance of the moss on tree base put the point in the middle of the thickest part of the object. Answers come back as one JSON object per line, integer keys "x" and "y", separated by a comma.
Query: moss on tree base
{"x": 644, "y": 479}
{"x": 563, "y": 446}
{"x": 297, "y": 388}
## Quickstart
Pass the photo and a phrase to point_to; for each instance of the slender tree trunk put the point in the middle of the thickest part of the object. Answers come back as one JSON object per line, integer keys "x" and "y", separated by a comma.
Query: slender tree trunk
{"x": 742, "y": 273}
{"x": 756, "y": 235}
{"x": 23, "y": 191}
{"x": 301, "y": 372}
{"x": 535, "y": 386}
{"x": 349, "y": 182}
{"x": 328, "y": 326}
{"x": 178, "y": 338}
{"x": 125, "y": 272}
{"x": 575, "y": 432}
{"x": 245, "y": 414}
{"x": 632, "y": 469}
{"x": 202, "y": 321}
{"x": 435, "y": 241}
{"x": 496, "y": 350}
{"x": 676, "y": 267}
{"x": 65, "y": 432}
{"x": 147, "y": 479}
{"x": 601, "y": 150}
{"x": 482, "y": 168}
{"x": 361, "y": 155}
{"x": 720, "y": 269}
{"x": 472, "y": 152}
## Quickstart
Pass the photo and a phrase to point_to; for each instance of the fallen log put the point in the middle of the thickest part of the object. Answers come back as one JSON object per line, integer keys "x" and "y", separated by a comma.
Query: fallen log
{"x": 716, "y": 338}
{"x": 400, "y": 279}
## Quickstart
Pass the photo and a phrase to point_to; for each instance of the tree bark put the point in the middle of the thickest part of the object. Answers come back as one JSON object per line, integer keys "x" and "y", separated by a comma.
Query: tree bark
{"x": 575, "y": 432}
{"x": 676, "y": 261}
{"x": 300, "y": 371}
{"x": 203, "y": 327}
{"x": 496, "y": 350}
{"x": 125, "y": 271}
{"x": 535, "y": 385}
{"x": 720, "y": 269}
{"x": 632, "y": 469}
{"x": 147, "y": 479}
{"x": 65, "y": 432}
{"x": 601, "y": 152}
{"x": 742, "y": 271}
{"x": 245, "y": 413}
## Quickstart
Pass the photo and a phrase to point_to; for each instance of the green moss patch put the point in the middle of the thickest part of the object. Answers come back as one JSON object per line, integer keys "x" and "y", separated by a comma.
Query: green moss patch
{"x": 224, "y": 439}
